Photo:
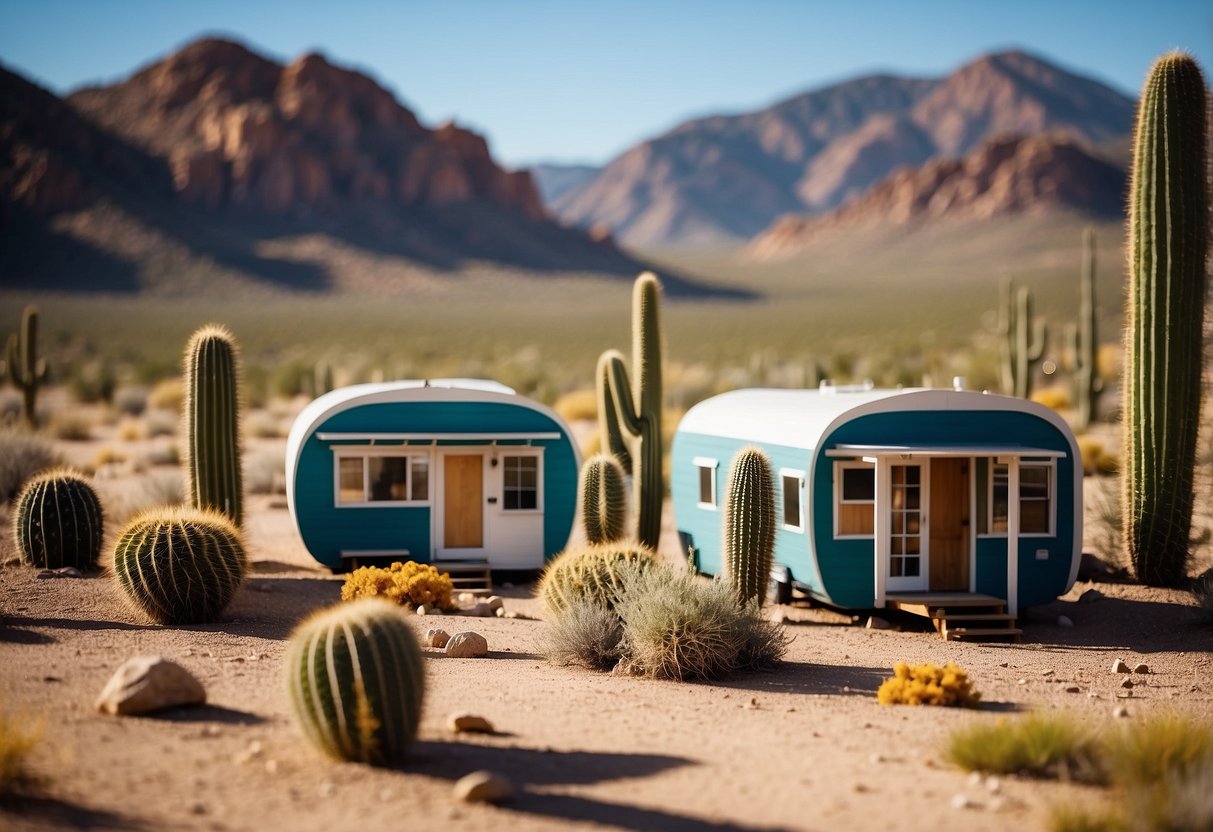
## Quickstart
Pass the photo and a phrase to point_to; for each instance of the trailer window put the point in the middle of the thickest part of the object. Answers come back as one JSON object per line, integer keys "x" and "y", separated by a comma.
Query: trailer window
{"x": 855, "y": 499}
{"x": 520, "y": 490}
{"x": 706, "y": 472}
{"x": 1035, "y": 498}
{"x": 372, "y": 477}
{"x": 792, "y": 487}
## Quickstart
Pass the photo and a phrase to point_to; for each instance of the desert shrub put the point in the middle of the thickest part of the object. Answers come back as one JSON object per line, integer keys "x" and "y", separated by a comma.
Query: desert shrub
{"x": 93, "y": 382}
{"x": 1054, "y": 398}
{"x": 22, "y": 455}
{"x": 579, "y": 405}
{"x": 408, "y": 584}
{"x": 161, "y": 423}
{"x": 1160, "y": 748}
{"x": 10, "y": 407}
{"x": 167, "y": 395}
{"x": 265, "y": 473}
{"x": 1036, "y": 746}
{"x": 17, "y": 742}
{"x": 107, "y": 455}
{"x": 587, "y": 634}
{"x": 679, "y": 627}
{"x": 1071, "y": 818}
{"x": 591, "y": 573}
{"x": 163, "y": 453}
{"x": 130, "y": 430}
{"x": 263, "y": 425}
{"x": 1104, "y": 525}
{"x": 927, "y": 684}
{"x": 69, "y": 426}
{"x": 160, "y": 489}
{"x": 131, "y": 401}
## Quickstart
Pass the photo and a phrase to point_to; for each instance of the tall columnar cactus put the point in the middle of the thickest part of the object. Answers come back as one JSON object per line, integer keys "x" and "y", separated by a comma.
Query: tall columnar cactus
{"x": 212, "y": 422}
{"x": 594, "y": 573}
{"x": 1168, "y": 258}
{"x": 604, "y": 499}
{"x": 610, "y": 434}
{"x": 58, "y": 522}
{"x": 1084, "y": 340}
{"x": 637, "y": 404}
{"x": 1024, "y": 339}
{"x": 356, "y": 679}
{"x": 26, "y": 370}
{"x": 749, "y": 525}
{"x": 180, "y": 565}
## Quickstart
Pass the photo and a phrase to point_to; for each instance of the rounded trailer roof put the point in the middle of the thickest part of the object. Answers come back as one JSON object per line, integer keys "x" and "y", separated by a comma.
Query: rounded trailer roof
{"x": 800, "y": 418}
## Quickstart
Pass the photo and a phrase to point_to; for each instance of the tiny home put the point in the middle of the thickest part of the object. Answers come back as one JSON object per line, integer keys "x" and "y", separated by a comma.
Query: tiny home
{"x": 453, "y": 470}
{"x": 889, "y": 497}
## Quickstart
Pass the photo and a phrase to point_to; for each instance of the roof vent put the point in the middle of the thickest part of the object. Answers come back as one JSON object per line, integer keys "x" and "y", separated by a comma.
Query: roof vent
{"x": 830, "y": 388}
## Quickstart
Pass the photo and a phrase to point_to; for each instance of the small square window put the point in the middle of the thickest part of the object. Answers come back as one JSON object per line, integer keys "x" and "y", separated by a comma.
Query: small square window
{"x": 707, "y": 485}
{"x": 520, "y": 483}
{"x": 791, "y": 501}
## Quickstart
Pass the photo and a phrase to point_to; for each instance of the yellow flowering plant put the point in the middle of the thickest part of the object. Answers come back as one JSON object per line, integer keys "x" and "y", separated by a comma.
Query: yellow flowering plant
{"x": 408, "y": 584}
{"x": 927, "y": 684}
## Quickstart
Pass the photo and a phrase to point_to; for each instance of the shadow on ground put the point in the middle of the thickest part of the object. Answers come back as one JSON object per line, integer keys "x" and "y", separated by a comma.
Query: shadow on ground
{"x": 1123, "y": 624}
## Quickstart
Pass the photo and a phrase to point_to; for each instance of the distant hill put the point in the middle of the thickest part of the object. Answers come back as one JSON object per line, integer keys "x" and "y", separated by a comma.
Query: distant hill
{"x": 1003, "y": 177}
{"x": 554, "y": 181}
{"x": 726, "y": 178}
{"x": 218, "y": 166}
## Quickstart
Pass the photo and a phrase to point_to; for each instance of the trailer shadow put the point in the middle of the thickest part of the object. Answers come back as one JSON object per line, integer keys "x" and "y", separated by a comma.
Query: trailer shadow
{"x": 1136, "y": 625}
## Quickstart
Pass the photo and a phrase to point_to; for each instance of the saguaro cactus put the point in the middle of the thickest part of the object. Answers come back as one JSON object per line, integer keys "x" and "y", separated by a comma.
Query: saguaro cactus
{"x": 356, "y": 679}
{"x": 25, "y": 368}
{"x": 604, "y": 499}
{"x": 1168, "y": 251}
{"x": 1084, "y": 339}
{"x": 212, "y": 422}
{"x": 58, "y": 522}
{"x": 637, "y": 406}
{"x": 749, "y": 525}
{"x": 1023, "y": 339}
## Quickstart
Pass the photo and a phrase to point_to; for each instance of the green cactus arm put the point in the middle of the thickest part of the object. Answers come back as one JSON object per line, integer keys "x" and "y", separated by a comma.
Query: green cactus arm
{"x": 646, "y": 342}
{"x": 609, "y": 431}
{"x": 632, "y": 420}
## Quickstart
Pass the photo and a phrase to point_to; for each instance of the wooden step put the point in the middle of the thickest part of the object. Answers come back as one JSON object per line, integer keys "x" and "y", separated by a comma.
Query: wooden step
{"x": 468, "y": 575}
{"x": 940, "y": 615}
{"x": 981, "y": 632}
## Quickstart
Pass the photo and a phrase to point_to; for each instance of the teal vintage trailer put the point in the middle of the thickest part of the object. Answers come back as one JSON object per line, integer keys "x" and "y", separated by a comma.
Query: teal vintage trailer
{"x": 891, "y": 497}
{"x": 446, "y": 470}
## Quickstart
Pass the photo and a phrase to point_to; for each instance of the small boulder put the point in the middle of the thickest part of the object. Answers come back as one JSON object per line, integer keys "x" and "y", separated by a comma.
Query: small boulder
{"x": 467, "y": 645}
{"x": 436, "y": 638}
{"x": 500, "y": 612}
{"x": 1090, "y": 596}
{"x": 422, "y": 609}
{"x": 1073, "y": 689}
{"x": 877, "y": 623}
{"x": 149, "y": 683}
{"x": 1141, "y": 667}
{"x": 483, "y": 787}
{"x": 466, "y": 599}
{"x": 1119, "y": 666}
{"x": 1127, "y": 683}
{"x": 1120, "y": 712}
{"x": 470, "y": 724}
{"x": 495, "y": 602}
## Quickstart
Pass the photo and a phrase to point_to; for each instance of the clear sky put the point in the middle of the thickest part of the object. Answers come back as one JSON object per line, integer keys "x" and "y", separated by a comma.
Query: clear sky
{"x": 575, "y": 81}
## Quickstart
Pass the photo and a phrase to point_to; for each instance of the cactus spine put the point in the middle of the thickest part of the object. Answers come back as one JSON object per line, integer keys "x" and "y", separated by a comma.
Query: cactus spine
{"x": 58, "y": 522}
{"x": 212, "y": 422}
{"x": 603, "y": 499}
{"x": 1168, "y": 251}
{"x": 637, "y": 404}
{"x": 26, "y": 370}
{"x": 1023, "y": 339}
{"x": 1084, "y": 339}
{"x": 749, "y": 525}
{"x": 356, "y": 679}
{"x": 592, "y": 574}
{"x": 180, "y": 566}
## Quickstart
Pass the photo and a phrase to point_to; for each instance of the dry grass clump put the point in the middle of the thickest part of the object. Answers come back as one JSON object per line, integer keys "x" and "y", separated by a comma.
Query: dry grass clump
{"x": 130, "y": 430}
{"x": 108, "y": 455}
{"x": 161, "y": 489}
{"x": 927, "y": 684}
{"x": 22, "y": 456}
{"x": 167, "y": 395}
{"x": 1037, "y": 746}
{"x": 1054, "y": 398}
{"x": 261, "y": 424}
{"x": 131, "y": 401}
{"x": 17, "y": 742}
{"x": 409, "y": 584}
{"x": 1096, "y": 459}
{"x": 70, "y": 426}
{"x": 265, "y": 473}
{"x": 579, "y": 405}
{"x": 160, "y": 423}
{"x": 1163, "y": 747}
{"x": 587, "y": 634}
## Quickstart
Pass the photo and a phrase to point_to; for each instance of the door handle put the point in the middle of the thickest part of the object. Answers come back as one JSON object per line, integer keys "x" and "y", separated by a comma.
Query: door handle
{"x": 492, "y": 500}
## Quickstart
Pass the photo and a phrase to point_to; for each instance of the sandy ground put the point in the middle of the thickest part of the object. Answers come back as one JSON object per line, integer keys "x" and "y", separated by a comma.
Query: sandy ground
{"x": 804, "y": 747}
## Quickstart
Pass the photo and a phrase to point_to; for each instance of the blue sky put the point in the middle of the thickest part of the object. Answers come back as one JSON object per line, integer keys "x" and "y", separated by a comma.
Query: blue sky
{"x": 579, "y": 82}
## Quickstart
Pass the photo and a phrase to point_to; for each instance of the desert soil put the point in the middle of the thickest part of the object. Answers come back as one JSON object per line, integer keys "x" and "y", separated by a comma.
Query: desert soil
{"x": 804, "y": 747}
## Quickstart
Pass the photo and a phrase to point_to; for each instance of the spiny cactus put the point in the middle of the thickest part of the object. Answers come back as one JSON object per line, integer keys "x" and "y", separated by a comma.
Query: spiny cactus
{"x": 26, "y": 370}
{"x": 594, "y": 573}
{"x": 1084, "y": 339}
{"x": 180, "y": 565}
{"x": 58, "y": 522}
{"x": 1168, "y": 257}
{"x": 637, "y": 406}
{"x": 749, "y": 525}
{"x": 356, "y": 679}
{"x": 604, "y": 499}
{"x": 1021, "y": 349}
{"x": 610, "y": 434}
{"x": 212, "y": 422}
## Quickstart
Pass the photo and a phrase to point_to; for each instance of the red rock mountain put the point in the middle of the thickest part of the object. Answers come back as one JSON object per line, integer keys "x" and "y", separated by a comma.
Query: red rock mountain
{"x": 1003, "y": 176}
{"x": 726, "y": 178}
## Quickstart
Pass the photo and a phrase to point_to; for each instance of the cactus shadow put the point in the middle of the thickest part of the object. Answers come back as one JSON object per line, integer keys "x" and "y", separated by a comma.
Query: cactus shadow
{"x": 13, "y": 635}
{"x": 542, "y": 766}
{"x": 810, "y": 679}
{"x": 46, "y": 812}
{"x": 639, "y": 818}
{"x": 208, "y": 713}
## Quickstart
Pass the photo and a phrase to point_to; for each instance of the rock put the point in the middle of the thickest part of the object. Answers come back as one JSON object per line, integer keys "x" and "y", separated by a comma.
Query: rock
{"x": 993, "y": 785}
{"x": 877, "y": 623}
{"x": 253, "y": 751}
{"x": 1004, "y": 664}
{"x": 470, "y": 724}
{"x": 466, "y": 599}
{"x": 1127, "y": 683}
{"x": 467, "y": 645}
{"x": 1064, "y": 621}
{"x": 422, "y": 609}
{"x": 960, "y": 801}
{"x": 495, "y": 602}
{"x": 1073, "y": 689}
{"x": 1119, "y": 666}
{"x": 1141, "y": 667}
{"x": 436, "y": 638}
{"x": 500, "y": 612}
{"x": 1120, "y": 712}
{"x": 483, "y": 787}
{"x": 481, "y": 610}
{"x": 1090, "y": 596}
{"x": 149, "y": 683}
{"x": 62, "y": 572}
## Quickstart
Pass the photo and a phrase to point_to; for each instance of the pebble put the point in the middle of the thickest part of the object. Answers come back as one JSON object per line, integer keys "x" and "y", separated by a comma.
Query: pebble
{"x": 1090, "y": 596}
{"x": 1048, "y": 673}
{"x": 499, "y": 612}
{"x": 1141, "y": 667}
{"x": 1120, "y": 712}
{"x": 1073, "y": 689}
{"x": 876, "y": 623}
{"x": 1064, "y": 621}
{"x": 1004, "y": 664}
{"x": 1022, "y": 682}
{"x": 466, "y": 599}
{"x": 1119, "y": 666}
{"x": 483, "y": 787}
{"x": 254, "y": 750}
{"x": 436, "y": 638}
{"x": 1127, "y": 683}
{"x": 495, "y": 602}
{"x": 470, "y": 724}
{"x": 960, "y": 801}
{"x": 328, "y": 788}
{"x": 149, "y": 683}
{"x": 467, "y": 645}
{"x": 422, "y": 609}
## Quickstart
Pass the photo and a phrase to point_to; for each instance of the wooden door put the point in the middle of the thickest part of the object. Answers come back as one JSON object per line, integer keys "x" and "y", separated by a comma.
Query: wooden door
{"x": 949, "y": 525}
{"x": 463, "y": 501}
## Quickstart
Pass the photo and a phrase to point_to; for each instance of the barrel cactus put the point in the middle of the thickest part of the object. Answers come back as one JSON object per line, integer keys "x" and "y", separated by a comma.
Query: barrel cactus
{"x": 604, "y": 499}
{"x": 356, "y": 680}
{"x": 594, "y": 573}
{"x": 180, "y": 565}
{"x": 212, "y": 422}
{"x": 1168, "y": 251}
{"x": 749, "y": 525}
{"x": 58, "y": 522}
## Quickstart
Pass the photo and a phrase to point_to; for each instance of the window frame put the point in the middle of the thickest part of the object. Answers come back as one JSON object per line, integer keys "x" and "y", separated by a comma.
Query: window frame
{"x": 1050, "y": 465}
{"x": 367, "y": 452}
{"x": 841, "y": 465}
{"x": 786, "y": 474}
{"x": 712, "y": 465}
{"x": 521, "y": 452}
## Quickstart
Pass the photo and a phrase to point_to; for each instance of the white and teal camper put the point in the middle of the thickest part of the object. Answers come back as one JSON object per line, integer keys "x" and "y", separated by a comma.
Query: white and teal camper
{"x": 431, "y": 471}
{"x": 892, "y": 496}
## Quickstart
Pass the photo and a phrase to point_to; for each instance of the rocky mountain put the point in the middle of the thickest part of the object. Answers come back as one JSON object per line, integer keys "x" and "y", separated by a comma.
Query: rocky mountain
{"x": 1010, "y": 175}
{"x": 554, "y": 181}
{"x": 216, "y": 152}
{"x": 726, "y": 178}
